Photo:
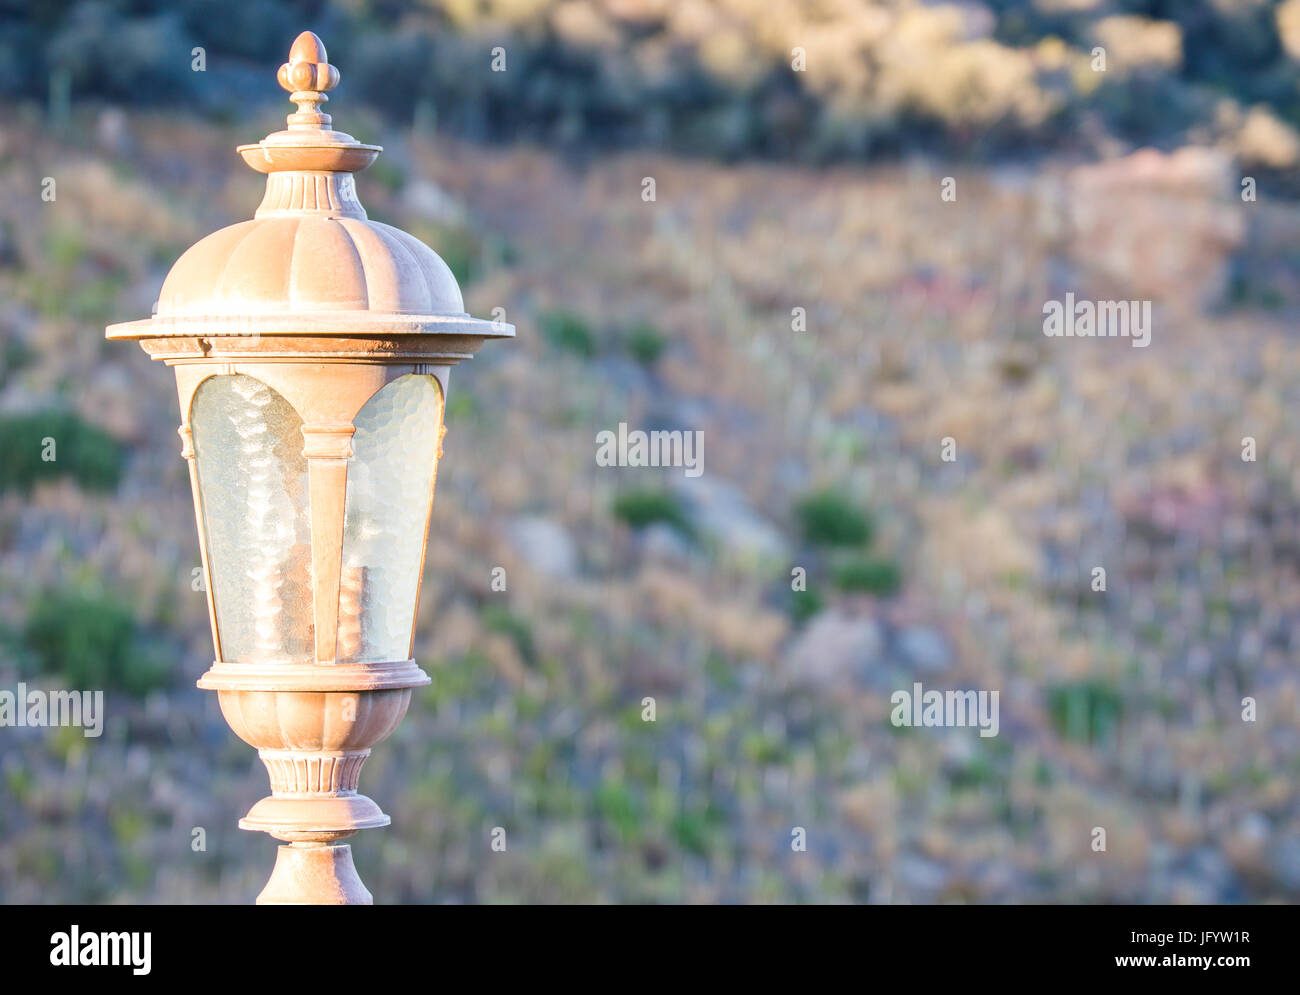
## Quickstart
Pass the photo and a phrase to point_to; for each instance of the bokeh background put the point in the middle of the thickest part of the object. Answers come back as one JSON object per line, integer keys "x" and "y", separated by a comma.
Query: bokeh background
{"x": 1171, "y": 176}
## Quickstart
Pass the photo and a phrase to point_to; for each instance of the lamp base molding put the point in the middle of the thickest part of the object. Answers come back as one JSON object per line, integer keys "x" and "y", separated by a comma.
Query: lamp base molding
{"x": 315, "y": 874}
{"x": 320, "y": 819}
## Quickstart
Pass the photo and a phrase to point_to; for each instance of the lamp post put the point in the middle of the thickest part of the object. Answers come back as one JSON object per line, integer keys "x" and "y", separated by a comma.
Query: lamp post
{"x": 312, "y": 348}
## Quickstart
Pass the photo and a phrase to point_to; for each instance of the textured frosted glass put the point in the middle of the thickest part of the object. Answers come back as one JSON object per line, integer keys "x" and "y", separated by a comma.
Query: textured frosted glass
{"x": 253, "y": 489}
{"x": 389, "y": 478}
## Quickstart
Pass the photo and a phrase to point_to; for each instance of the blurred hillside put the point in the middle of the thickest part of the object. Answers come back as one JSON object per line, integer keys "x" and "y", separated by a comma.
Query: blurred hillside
{"x": 1119, "y": 709}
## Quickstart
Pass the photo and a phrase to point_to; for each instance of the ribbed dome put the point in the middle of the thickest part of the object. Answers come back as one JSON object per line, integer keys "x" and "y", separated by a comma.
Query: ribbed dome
{"x": 273, "y": 265}
{"x": 311, "y": 266}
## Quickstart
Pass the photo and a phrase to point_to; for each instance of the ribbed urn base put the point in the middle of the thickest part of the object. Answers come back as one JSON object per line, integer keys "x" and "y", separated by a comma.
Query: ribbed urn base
{"x": 313, "y": 797}
{"x": 314, "y": 742}
{"x": 315, "y": 874}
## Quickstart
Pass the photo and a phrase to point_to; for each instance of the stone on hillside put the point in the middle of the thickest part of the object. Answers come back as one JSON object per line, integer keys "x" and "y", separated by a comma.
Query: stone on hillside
{"x": 545, "y": 545}
{"x": 1153, "y": 225}
{"x": 663, "y": 542}
{"x": 10, "y": 252}
{"x": 621, "y": 378}
{"x": 113, "y": 132}
{"x": 835, "y": 651}
{"x": 924, "y": 649}
{"x": 920, "y": 878}
{"x": 721, "y": 512}
{"x": 427, "y": 199}
{"x": 110, "y": 398}
{"x": 1285, "y": 864}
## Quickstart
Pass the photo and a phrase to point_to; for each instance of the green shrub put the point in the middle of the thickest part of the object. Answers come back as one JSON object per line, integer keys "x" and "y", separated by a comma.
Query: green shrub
{"x": 1084, "y": 711}
{"x": 762, "y": 749}
{"x": 828, "y": 518}
{"x": 620, "y": 809}
{"x": 461, "y": 406}
{"x": 497, "y": 618}
{"x": 386, "y": 174}
{"x": 805, "y": 604}
{"x": 869, "y": 576}
{"x": 639, "y": 509}
{"x": 693, "y": 831}
{"x": 77, "y": 283}
{"x": 142, "y": 72}
{"x": 80, "y": 450}
{"x": 645, "y": 344}
{"x": 568, "y": 332}
{"x": 92, "y": 641}
{"x": 976, "y": 774}
{"x": 15, "y": 356}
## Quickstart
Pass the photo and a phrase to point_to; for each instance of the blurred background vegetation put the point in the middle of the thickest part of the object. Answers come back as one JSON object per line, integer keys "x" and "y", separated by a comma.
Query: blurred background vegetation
{"x": 717, "y": 79}
{"x": 778, "y": 190}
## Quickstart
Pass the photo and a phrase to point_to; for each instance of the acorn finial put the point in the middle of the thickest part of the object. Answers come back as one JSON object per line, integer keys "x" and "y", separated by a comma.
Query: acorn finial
{"x": 307, "y": 75}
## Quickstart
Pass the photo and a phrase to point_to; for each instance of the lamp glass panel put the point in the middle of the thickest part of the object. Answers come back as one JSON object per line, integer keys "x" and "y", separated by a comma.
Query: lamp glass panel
{"x": 390, "y": 479}
{"x": 253, "y": 493}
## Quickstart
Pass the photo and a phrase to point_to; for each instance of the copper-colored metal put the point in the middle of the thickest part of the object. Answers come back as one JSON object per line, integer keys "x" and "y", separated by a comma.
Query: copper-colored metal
{"x": 326, "y": 307}
{"x": 187, "y": 453}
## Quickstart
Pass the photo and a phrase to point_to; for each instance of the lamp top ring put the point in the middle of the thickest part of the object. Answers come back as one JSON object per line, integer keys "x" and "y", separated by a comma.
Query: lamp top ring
{"x": 308, "y": 143}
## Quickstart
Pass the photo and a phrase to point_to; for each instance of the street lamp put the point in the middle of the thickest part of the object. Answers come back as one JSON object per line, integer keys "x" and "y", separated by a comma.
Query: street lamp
{"x": 312, "y": 348}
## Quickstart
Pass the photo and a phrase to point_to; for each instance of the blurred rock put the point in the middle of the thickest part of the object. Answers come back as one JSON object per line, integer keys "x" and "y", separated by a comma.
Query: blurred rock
{"x": 427, "y": 199}
{"x": 141, "y": 297}
{"x": 924, "y": 649}
{"x": 1253, "y": 831}
{"x": 110, "y": 399}
{"x": 723, "y": 513}
{"x": 10, "y": 254}
{"x": 1285, "y": 863}
{"x": 835, "y": 651}
{"x": 17, "y": 322}
{"x": 545, "y": 545}
{"x": 1201, "y": 877}
{"x": 663, "y": 542}
{"x": 113, "y": 132}
{"x": 621, "y": 377}
{"x": 920, "y": 879}
{"x": 1154, "y": 225}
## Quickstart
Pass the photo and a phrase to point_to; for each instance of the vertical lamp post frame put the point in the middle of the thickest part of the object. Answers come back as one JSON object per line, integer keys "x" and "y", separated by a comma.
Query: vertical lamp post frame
{"x": 312, "y": 348}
